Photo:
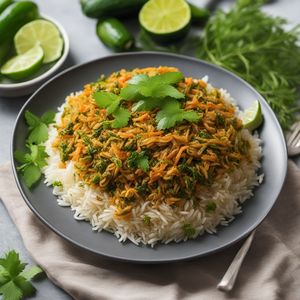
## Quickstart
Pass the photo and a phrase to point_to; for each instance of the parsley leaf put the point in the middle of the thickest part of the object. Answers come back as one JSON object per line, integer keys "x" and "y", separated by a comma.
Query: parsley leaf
{"x": 14, "y": 281}
{"x": 112, "y": 103}
{"x": 138, "y": 160}
{"x": 189, "y": 230}
{"x": 158, "y": 86}
{"x": 38, "y": 129}
{"x": 172, "y": 114}
{"x": 31, "y": 163}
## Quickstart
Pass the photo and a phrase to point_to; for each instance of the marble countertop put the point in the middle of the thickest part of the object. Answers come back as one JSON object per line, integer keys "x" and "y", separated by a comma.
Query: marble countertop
{"x": 84, "y": 46}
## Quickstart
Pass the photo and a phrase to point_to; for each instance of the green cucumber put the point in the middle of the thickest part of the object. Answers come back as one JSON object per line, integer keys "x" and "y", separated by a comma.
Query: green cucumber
{"x": 4, "y": 4}
{"x": 114, "y": 34}
{"x": 14, "y": 17}
{"x": 199, "y": 14}
{"x": 110, "y": 8}
{"x": 4, "y": 50}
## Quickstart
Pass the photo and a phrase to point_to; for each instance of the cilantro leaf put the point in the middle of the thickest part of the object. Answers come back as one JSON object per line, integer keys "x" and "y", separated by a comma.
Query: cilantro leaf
{"x": 112, "y": 104}
{"x": 147, "y": 104}
{"x": 172, "y": 114}
{"x": 122, "y": 116}
{"x": 38, "y": 134}
{"x": 107, "y": 100}
{"x": 31, "y": 175}
{"x": 32, "y": 162}
{"x": 14, "y": 281}
{"x": 38, "y": 129}
{"x": 158, "y": 86}
{"x": 48, "y": 117}
{"x": 31, "y": 119}
{"x": 138, "y": 160}
{"x": 10, "y": 291}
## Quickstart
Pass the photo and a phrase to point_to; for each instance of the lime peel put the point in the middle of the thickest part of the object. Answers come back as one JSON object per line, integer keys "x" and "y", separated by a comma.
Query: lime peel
{"x": 24, "y": 65}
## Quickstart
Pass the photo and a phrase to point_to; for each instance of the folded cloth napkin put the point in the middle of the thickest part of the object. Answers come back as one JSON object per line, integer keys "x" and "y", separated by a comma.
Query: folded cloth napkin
{"x": 270, "y": 271}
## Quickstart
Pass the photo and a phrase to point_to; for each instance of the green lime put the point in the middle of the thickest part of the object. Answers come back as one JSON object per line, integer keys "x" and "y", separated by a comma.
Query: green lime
{"x": 43, "y": 33}
{"x": 252, "y": 117}
{"x": 165, "y": 20}
{"x": 24, "y": 65}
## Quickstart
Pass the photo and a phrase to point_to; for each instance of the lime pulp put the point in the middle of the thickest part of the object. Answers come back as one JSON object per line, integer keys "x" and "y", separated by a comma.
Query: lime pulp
{"x": 252, "y": 117}
{"x": 43, "y": 33}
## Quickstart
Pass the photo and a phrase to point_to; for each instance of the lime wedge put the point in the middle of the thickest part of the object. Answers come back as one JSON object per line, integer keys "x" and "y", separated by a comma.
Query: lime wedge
{"x": 252, "y": 117}
{"x": 24, "y": 65}
{"x": 43, "y": 33}
{"x": 165, "y": 20}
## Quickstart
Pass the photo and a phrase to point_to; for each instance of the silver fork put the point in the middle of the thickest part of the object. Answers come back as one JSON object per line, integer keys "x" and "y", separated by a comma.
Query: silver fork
{"x": 227, "y": 282}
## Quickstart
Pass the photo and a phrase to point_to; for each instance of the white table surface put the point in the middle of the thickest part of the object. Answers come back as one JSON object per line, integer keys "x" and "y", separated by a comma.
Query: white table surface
{"x": 85, "y": 46}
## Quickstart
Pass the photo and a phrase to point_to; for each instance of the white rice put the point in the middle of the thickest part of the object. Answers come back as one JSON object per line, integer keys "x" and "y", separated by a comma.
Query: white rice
{"x": 166, "y": 222}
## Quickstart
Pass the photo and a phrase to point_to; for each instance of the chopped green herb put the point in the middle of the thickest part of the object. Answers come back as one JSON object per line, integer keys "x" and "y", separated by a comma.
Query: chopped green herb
{"x": 204, "y": 135}
{"x": 117, "y": 162}
{"x": 220, "y": 120}
{"x": 101, "y": 165}
{"x": 57, "y": 183}
{"x": 189, "y": 230}
{"x": 142, "y": 189}
{"x": 210, "y": 207}
{"x": 14, "y": 280}
{"x": 147, "y": 220}
{"x": 68, "y": 130}
{"x": 138, "y": 160}
{"x": 96, "y": 179}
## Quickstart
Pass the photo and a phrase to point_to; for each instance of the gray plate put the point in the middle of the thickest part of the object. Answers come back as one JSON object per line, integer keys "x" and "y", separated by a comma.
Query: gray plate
{"x": 44, "y": 205}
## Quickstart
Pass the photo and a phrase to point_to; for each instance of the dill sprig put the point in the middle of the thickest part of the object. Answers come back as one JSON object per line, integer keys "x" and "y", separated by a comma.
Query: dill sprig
{"x": 258, "y": 48}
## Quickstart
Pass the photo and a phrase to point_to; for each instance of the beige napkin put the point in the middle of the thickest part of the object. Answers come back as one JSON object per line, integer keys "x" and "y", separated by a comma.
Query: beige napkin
{"x": 271, "y": 269}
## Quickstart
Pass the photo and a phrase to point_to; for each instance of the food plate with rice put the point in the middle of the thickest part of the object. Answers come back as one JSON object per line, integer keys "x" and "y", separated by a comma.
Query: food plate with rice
{"x": 152, "y": 158}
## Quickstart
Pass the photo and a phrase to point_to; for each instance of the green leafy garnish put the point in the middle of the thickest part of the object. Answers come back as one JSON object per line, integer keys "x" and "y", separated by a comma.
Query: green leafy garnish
{"x": 112, "y": 103}
{"x": 31, "y": 163}
{"x": 210, "y": 207}
{"x": 38, "y": 127}
{"x": 260, "y": 49}
{"x": 147, "y": 88}
{"x": 14, "y": 280}
{"x": 57, "y": 183}
{"x": 189, "y": 230}
{"x": 172, "y": 114}
{"x": 138, "y": 160}
{"x": 147, "y": 220}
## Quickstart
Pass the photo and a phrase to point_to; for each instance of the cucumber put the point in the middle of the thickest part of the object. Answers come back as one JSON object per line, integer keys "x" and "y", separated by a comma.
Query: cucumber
{"x": 114, "y": 34}
{"x": 199, "y": 14}
{"x": 14, "y": 17}
{"x": 110, "y": 8}
{"x": 4, "y": 4}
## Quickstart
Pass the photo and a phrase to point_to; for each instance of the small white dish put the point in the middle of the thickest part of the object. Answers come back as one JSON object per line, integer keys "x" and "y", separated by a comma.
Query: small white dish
{"x": 16, "y": 89}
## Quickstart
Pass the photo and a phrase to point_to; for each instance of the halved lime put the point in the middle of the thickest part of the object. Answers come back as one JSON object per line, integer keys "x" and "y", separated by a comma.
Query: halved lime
{"x": 43, "y": 33}
{"x": 252, "y": 117}
{"x": 24, "y": 65}
{"x": 165, "y": 20}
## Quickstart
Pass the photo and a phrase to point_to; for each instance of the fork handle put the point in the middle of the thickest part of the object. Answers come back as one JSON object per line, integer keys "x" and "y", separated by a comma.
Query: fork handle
{"x": 228, "y": 280}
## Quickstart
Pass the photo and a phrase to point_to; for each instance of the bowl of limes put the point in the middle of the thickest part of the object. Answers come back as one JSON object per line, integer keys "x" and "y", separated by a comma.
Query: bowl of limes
{"x": 31, "y": 53}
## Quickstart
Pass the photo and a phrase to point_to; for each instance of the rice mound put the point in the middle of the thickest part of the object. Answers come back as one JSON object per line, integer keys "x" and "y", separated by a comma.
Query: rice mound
{"x": 230, "y": 191}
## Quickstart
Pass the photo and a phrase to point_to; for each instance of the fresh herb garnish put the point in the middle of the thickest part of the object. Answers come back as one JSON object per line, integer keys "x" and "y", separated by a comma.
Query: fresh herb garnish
{"x": 189, "y": 230}
{"x": 210, "y": 207}
{"x": 14, "y": 279}
{"x": 260, "y": 49}
{"x": 147, "y": 220}
{"x": 38, "y": 127}
{"x": 138, "y": 160}
{"x": 152, "y": 90}
{"x": 172, "y": 114}
{"x": 112, "y": 103}
{"x": 31, "y": 163}
{"x": 57, "y": 183}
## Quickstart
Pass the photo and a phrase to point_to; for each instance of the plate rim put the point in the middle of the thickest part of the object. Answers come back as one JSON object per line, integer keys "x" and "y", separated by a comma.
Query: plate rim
{"x": 156, "y": 260}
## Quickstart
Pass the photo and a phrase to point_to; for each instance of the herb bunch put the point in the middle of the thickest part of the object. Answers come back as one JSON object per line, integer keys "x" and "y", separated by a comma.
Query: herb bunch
{"x": 258, "y": 48}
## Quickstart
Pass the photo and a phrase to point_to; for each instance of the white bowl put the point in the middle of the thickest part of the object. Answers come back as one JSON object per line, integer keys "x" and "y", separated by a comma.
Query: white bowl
{"x": 16, "y": 89}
